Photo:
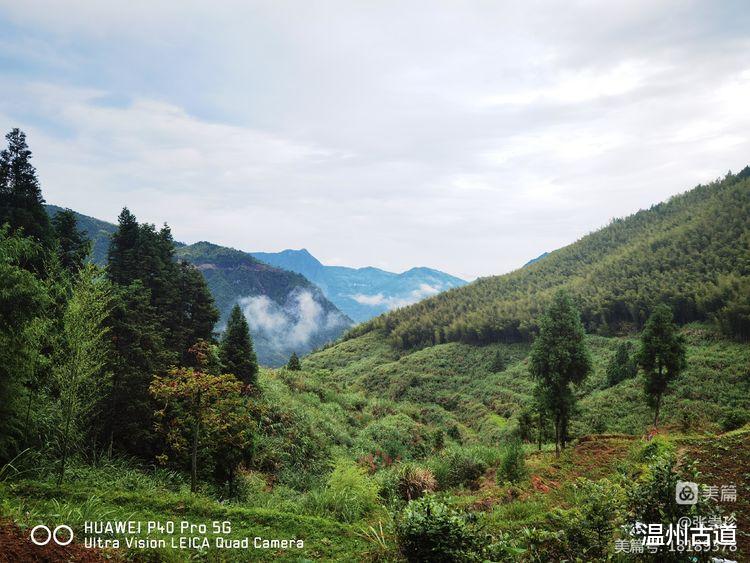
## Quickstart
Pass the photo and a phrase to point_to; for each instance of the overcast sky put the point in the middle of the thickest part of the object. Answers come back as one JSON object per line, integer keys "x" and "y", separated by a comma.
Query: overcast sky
{"x": 465, "y": 136}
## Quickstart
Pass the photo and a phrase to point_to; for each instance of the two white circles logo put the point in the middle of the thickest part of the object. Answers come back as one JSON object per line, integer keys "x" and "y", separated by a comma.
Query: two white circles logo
{"x": 41, "y": 535}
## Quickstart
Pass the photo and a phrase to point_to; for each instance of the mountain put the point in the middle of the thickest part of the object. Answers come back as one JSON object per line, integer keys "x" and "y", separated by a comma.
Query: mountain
{"x": 363, "y": 293}
{"x": 692, "y": 252}
{"x": 533, "y": 260}
{"x": 97, "y": 230}
{"x": 285, "y": 311}
{"x": 461, "y": 357}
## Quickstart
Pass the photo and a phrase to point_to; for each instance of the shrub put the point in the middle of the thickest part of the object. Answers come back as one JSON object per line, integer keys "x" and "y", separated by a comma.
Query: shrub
{"x": 458, "y": 467}
{"x": 394, "y": 438}
{"x": 414, "y": 481}
{"x": 601, "y": 505}
{"x": 734, "y": 419}
{"x": 513, "y": 465}
{"x": 651, "y": 497}
{"x": 349, "y": 493}
{"x": 657, "y": 447}
{"x": 427, "y": 530}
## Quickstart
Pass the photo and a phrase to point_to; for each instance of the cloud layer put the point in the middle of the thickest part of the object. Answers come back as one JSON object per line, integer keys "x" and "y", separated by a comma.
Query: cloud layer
{"x": 466, "y": 136}
{"x": 298, "y": 325}
{"x": 394, "y": 302}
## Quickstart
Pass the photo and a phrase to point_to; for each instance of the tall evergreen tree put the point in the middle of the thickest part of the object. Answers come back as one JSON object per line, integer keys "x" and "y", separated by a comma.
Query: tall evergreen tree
{"x": 21, "y": 201}
{"x": 558, "y": 359}
{"x": 196, "y": 314}
{"x": 122, "y": 266}
{"x": 293, "y": 363}
{"x": 622, "y": 366}
{"x": 161, "y": 309}
{"x": 72, "y": 245}
{"x": 237, "y": 354}
{"x": 661, "y": 355}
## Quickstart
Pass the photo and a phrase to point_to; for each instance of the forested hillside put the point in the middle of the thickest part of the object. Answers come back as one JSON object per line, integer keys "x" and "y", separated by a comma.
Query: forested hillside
{"x": 692, "y": 252}
{"x": 286, "y": 312}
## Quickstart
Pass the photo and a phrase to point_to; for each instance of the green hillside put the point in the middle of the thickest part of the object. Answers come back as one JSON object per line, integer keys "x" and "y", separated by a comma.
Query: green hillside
{"x": 692, "y": 252}
{"x": 287, "y": 313}
{"x": 98, "y": 231}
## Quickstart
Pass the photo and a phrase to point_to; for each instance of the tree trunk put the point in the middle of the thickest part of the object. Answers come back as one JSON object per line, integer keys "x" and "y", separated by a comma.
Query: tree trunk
{"x": 540, "y": 430}
{"x": 656, "y": 410}
{"x": 64, "y": 450}
{"x": 194, "y": 457}
{"x": 557, "y": 435}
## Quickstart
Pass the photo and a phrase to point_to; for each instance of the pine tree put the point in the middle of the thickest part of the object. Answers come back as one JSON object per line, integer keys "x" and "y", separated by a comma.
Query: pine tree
{"x": 162, "y": 308}
{"x": 196, "y": 313}
{"x": 21, "y": 201}
{"x": 622, "y": 366}
{"x": 499, "y": 362}
{"x": 237, "y": 354}
{"x": 558, "y": 359}
{"x": 122, "y": 266}
{"x": 661, "y": 355}
{"x": 293, "y": 363}
{"x": 72, "y": 245}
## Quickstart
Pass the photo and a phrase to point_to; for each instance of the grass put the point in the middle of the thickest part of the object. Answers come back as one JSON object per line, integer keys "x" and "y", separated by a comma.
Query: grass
{"x": 102, "y": 495}
{"x": 442, "y": 408}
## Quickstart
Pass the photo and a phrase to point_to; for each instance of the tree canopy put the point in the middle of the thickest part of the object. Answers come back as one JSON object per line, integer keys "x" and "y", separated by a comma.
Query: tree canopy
{"x": 558, "y": 359}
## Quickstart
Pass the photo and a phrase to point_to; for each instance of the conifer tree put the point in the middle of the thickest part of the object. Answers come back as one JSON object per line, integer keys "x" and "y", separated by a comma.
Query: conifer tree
{"x": 293, "y": 363}
{"x": 121, "y": 257}
{"x": 196, "y": 313}
{"x": 622, "y": 366}
{"x": 72, "y": 245}
{"x": 237, "y": 354}
{"x": 558, "y": 359}
{"x": 21, "y": 201}
{"x": 661, "y": 355}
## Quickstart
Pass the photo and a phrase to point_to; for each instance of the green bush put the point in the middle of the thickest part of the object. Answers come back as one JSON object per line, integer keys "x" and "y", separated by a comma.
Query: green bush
{"x": 394, "y": 438}
{"x": 459, "y": 467}
{"x": 349, "y": 493}
{"x": 427, "y": 530}
{"x": 734, "y": 419}
{"x": 657, "y": 447}
{"x": 601, "y": 505}
{"x": 651, "y": 497}
{"x": 414, "y": 481}
{"x": 513, "y": 465}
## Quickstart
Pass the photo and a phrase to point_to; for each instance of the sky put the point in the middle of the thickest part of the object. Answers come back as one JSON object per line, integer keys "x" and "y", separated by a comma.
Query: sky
{"x": 467, "y": 136}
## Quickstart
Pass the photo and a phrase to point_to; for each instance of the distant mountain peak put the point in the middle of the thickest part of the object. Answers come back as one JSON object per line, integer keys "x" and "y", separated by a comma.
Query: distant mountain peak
{"x": 363, "y": 293}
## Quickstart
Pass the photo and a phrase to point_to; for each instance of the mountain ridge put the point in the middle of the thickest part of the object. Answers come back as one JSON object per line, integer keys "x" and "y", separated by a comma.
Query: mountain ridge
{"x": 272, "y": 298}
{"x": 691, "y": 251}
{"x": 364, "y": 292}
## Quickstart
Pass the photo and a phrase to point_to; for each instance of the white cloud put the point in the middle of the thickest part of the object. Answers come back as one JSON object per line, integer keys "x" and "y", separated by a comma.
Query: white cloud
{"x": 292, "y": 325}
{"x": 396, "y": 301}
{"x": 469, "y": 137}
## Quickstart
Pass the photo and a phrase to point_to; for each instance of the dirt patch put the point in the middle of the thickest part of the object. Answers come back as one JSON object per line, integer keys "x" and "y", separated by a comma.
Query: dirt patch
{"x": 16, "y": 547}
{"x": 725, "y": 460}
